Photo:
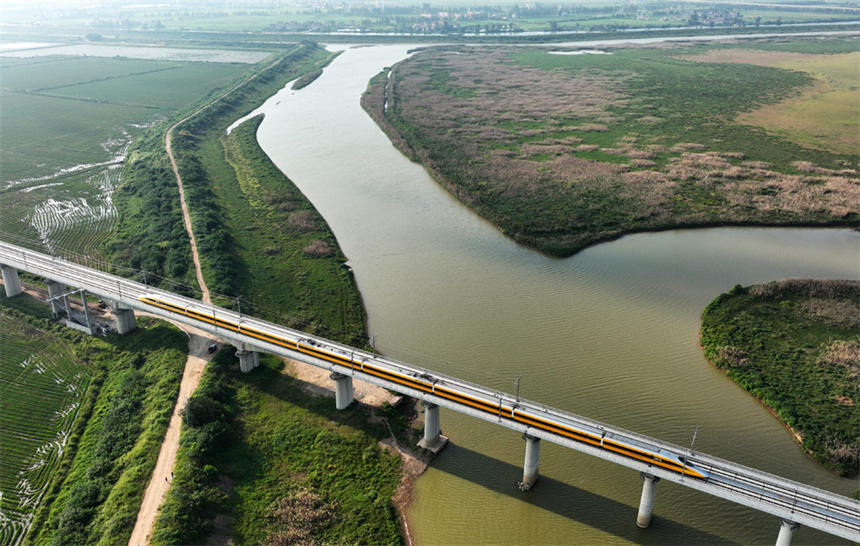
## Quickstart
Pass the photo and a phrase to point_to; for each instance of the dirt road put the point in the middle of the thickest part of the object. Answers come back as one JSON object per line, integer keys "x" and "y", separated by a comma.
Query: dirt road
{"x": 159, "y": 484}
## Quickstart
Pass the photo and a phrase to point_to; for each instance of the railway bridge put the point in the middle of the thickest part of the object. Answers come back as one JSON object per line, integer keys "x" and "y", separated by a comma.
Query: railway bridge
{"x": 792, "y": 503}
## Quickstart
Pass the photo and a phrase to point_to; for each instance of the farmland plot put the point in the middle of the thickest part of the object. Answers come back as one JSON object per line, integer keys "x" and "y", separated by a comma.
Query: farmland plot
{"x": 33, "y": 365}
{"x": 74, "y": 119}
{"x": 78, "y": 222}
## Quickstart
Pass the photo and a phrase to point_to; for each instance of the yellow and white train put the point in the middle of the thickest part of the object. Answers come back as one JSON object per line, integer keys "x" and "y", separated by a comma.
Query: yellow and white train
{"x": 420, "y": 380}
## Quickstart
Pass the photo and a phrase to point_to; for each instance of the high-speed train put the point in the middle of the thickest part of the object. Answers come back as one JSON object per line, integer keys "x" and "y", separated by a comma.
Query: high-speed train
{"x": 422, "y": 381}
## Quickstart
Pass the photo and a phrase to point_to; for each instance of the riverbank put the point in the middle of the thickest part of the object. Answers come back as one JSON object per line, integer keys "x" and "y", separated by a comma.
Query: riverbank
{"x": 794, "y": 346}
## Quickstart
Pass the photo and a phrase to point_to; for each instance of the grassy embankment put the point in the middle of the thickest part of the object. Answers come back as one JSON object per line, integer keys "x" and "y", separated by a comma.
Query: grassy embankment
{"x": 281, "y": 466}
{"x": 127, "y": 386}
{"x": 273, "y": 461}
{"x": 795, "y": 345}
{"x": 562, "y": 151}
{"x": 150, "y": 233}
{"x": 257, "y": 234}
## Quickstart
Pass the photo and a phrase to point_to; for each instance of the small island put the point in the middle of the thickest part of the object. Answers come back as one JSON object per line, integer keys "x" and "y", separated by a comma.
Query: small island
{"x": 795, "y": 345}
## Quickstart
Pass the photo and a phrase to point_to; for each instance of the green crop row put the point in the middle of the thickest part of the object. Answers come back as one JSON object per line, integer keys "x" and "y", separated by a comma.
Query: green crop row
{"x": 126, "y": 386}
{"x": 63, "y": 110}
{"x": 34, "y": 365}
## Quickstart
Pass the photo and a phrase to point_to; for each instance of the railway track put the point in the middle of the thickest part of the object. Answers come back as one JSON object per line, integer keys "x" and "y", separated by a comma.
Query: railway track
{"x": 787, "y": 499}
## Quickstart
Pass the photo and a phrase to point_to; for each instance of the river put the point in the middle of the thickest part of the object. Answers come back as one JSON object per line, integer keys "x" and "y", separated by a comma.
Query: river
{"x": 610, "y": 333}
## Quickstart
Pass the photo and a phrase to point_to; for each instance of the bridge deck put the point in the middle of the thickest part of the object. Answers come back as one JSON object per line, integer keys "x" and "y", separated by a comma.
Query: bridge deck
{"x": 787, "y": 499}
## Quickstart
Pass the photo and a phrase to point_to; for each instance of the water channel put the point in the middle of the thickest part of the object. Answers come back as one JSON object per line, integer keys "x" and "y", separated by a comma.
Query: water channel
{"x": 610, "y": 333}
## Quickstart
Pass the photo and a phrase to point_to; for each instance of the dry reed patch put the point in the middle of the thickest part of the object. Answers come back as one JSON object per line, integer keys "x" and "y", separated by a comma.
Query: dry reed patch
{"x": 809, "y": 167}
{"x": 302, "y": 220}
{"x": 643, "y": 163}
{"x": 318, "y": 248}
{"x": 813, "y": 288}
{"x": 835, "y": 312}
{"x": 482, "y": 105}
{"x": 684, "y": 146}
{"x": 756, "y": 164}
{"x": 838, "y": 197}
{"x": 845, "y": 354}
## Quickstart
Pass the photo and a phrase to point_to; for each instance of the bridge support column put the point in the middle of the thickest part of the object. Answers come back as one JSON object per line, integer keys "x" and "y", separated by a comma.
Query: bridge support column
{"x": 433, "y": 439}
{"x": 786, "y": 530}
{"x": 646, "y": 504}
{"x": 124, "y": 318}
{"x": 248, "y": 360}
{"x": 342, "y": 390}
{"x": 87, "y": 319}
{"x": 532, "y": 462}
{"x": 55, "y": 289}
{"x": 11, "y": 281}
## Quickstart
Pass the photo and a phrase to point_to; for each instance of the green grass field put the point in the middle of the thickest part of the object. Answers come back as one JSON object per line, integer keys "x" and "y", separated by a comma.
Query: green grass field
{"x": 68, "y": 111}
{"x": 283, "y": 465}
{"x": 34, "y": 365}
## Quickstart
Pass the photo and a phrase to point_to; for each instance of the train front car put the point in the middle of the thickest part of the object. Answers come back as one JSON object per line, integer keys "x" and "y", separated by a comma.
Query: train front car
{"x": 656, "y": 456}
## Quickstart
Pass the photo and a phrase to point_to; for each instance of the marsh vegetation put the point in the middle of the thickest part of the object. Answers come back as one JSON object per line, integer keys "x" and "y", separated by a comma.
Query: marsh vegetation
{"x": 794, "y": 345}
{"x": 561, "y": 151}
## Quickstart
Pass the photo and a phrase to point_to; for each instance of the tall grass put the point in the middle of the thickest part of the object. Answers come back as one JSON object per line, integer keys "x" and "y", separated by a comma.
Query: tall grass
{"x": 794, "y": 344}
{"x": 563, "y": 151}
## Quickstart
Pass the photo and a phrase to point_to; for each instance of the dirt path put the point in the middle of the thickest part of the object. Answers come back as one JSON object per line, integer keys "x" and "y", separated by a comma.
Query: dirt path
{"x": 161, "y": 476}
{"x": 187, "y": 217}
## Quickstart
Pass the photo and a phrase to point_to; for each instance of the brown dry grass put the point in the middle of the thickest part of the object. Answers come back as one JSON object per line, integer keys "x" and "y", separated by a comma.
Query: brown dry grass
{"x": 302, "y": 220}
{"x": 844, "y": 353}
{"x": 318, "y": 248}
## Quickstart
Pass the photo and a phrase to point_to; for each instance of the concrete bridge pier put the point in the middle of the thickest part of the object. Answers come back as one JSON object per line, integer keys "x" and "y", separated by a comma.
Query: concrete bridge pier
{"x": 11, "y": 281}
{"x": 55, "y": 289}
{"x": 530, "y": 468}
{"x": 343, "y": 395}
{"x": 87, "y": 318}
{"x": 786, "y": 530}
{"x": 433, "y": 439}
{"x": 646, "y": 504}
{"x": 248, "y": 359}
{"x": 124, "y": 318}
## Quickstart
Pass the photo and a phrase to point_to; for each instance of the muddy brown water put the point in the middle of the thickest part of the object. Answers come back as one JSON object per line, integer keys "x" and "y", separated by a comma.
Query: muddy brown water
{"x": 610, "y": 333}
